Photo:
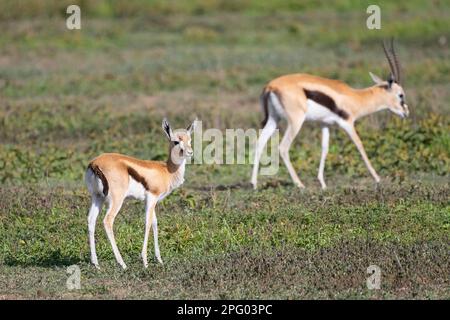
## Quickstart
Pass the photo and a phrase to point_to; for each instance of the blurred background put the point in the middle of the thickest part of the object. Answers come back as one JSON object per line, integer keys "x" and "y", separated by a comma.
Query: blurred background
{"x": 67, "y": 95}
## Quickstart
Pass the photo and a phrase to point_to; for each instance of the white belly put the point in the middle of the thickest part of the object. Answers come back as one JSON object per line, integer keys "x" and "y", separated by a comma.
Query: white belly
{"x": 317, "y": 112}
{"x": 135, "y": 190}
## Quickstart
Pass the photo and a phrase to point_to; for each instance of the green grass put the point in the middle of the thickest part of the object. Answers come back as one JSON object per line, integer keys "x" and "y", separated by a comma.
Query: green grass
{"x": 66, "y": 96}
{"x": 254, "y": 236}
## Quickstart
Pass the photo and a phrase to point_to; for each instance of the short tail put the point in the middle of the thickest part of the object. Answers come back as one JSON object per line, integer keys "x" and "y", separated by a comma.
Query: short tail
{"x": 99, "y": 174}
{"x": 264, "y": 100}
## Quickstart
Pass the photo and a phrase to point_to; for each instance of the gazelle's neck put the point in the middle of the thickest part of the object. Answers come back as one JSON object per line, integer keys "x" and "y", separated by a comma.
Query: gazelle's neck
{"x": 176, "y": 170}
{"x": 371, "y": 100}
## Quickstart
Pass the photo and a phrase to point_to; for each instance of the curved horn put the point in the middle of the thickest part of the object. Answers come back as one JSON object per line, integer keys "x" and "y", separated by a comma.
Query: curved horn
{"x": 396, "y": 63}
{"x": 391, "y": 64}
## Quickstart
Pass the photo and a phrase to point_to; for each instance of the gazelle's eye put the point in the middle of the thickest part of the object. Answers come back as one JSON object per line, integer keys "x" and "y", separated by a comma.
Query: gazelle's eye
{"x": 401, "y": 96}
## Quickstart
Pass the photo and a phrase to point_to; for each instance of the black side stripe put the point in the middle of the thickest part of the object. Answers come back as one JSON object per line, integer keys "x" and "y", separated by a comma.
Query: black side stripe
{"x": 136, "y": 176}
{"x": 326, "y": 101}
{"x": 96, "y": 170}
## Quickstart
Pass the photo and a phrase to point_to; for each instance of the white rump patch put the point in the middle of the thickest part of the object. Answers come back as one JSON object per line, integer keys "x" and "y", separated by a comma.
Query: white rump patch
{"x": 277, "y": 110}
{"x": 93, "y": 183}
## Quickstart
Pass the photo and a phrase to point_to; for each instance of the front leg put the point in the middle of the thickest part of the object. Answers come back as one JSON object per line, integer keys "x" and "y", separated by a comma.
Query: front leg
{"x": 350, "y": 129}
{"x": 155, "y": 238}
{"x": 150, "y": 204}
{"x": 323, "y": 156}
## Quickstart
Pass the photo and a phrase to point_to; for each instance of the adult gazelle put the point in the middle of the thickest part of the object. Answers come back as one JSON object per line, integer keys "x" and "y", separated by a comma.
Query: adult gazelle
{"x": 303, "y": 97}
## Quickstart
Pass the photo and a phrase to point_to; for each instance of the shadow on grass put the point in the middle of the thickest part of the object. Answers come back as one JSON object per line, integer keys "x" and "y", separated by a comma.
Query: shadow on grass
{"x": 245, "y": 185}
{"x": 53, "y": 259}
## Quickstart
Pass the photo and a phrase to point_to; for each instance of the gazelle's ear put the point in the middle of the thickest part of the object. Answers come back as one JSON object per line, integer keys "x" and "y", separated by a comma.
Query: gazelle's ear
{"x": 376, "y": 79}
{"x": 192, "y": 126}
{"x": 167, "y": 129}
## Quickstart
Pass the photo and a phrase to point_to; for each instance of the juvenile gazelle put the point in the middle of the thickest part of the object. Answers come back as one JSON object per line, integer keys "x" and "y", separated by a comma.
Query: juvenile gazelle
{"x": 112, "y": 177}
{"x": 303, "y": 97}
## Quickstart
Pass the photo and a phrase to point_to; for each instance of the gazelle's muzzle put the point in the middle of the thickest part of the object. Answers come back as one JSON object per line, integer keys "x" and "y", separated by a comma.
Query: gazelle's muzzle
{"x": 405, "y": 110}
{"x": 189, "y": 153}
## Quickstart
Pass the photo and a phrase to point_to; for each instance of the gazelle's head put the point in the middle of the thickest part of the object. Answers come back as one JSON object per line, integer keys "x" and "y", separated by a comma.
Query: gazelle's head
{"x": 394, "y": 95}
{"x": 180, "y": 141}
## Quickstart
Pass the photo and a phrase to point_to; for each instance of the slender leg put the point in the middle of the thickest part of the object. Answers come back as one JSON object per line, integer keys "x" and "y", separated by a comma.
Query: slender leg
{"x": 325, "y": 140}
{"x": 96, "y": 206}
{"x": 266, "y": 133}
{"x": 155, "y": 237}
{"x": 350, "y": 129}
{"x": 291, "y": 132}
{"x": 108, "y": 222}
{"x": 149, "y": 214}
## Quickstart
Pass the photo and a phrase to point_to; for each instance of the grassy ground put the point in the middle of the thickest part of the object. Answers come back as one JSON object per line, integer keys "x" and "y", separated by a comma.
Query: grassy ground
{"x": 66, "y": 96}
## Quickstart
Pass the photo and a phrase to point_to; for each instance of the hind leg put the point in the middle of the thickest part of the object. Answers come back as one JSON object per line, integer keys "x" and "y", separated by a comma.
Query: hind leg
{"x": 266, "y": 133}
{"x": 292, "y": 130}
{"x": 108, "y": 222}
{"x": 96, "y": 207}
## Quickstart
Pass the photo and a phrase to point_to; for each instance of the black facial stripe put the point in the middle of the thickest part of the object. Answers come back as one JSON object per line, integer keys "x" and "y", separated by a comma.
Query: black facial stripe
{"x": 326, "y": 101}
